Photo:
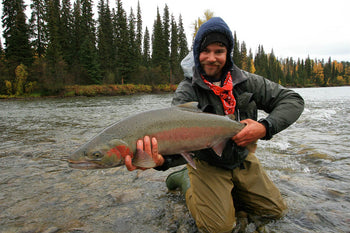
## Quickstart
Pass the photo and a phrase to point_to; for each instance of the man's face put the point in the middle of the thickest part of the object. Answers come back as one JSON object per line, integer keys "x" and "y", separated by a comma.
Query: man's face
{"x": 213, "y": 59}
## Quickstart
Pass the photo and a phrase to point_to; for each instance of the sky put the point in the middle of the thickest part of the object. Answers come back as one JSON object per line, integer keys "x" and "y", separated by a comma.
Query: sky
{"x": 300, "y": 28}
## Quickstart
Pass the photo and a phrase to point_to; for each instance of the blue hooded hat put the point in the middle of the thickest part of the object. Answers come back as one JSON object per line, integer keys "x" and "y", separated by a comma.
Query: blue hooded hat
{"x": 213, "y": 25}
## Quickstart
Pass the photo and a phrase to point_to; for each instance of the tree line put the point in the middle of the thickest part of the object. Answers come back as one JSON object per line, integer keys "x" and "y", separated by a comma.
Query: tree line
{"x": 62, "y": 44}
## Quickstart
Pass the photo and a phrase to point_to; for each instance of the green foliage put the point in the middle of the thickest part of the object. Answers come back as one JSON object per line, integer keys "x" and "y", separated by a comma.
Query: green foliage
{"x": 16, "y": 35}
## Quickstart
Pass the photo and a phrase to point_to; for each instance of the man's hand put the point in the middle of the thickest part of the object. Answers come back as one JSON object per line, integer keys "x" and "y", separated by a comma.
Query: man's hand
{"x": 151, "y": 150}
{"x": 252, "y": 132}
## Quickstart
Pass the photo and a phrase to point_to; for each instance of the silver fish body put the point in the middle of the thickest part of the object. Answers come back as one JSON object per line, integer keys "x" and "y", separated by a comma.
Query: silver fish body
{"x": 178, "y": 130}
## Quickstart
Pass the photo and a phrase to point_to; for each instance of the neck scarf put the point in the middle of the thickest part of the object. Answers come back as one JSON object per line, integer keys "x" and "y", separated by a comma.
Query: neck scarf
{"x": 225, "y": 93}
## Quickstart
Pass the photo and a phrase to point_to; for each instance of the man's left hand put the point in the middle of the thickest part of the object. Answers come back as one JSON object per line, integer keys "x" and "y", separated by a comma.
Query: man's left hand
{"x": 250, "y": 133}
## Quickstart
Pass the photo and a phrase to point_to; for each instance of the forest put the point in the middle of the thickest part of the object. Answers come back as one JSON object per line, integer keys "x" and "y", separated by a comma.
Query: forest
{"x": 63, "y": 45}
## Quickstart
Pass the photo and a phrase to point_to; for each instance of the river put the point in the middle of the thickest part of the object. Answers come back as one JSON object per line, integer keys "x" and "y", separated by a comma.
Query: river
{"x": 309, "y": 162}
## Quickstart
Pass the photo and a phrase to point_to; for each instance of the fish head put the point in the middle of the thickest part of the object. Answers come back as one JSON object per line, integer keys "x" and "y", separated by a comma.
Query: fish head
{"x": 94, "y": 155}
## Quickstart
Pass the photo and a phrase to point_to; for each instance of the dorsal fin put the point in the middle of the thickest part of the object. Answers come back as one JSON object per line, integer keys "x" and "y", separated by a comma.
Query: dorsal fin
{"x": 190, "y": 106}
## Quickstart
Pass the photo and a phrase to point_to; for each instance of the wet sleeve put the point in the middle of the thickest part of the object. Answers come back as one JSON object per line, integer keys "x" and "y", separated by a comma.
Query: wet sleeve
{"x": 171, "y": 161}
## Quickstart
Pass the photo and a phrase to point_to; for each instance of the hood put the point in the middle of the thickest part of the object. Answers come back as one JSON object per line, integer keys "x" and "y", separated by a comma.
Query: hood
{"x": 215, "y": 24}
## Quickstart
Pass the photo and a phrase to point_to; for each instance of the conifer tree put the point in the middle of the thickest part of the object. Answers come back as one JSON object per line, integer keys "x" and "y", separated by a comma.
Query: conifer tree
{"x": 157, "y": 42}
{"x": 260, "y": 62}
{"x": 105, "y": 41}
{"x": 16, "y": 35}
{"x": 132, "y": 55}
{"x": 244, "y": 56}
{"x": 183, "y": 47}
{"x": 236, "y": 53}
{"x": 38, "y": 27}
{"x": 139, "y": 32}
{"x": 166, "y": 41}
{"x": 88, "y": 52}
{"x": 121, "y": 42}
{"x": 174, "y": 47}
{"x": 55, "y": 74}
{"x": 146, "y": 57}
{"x": 66, "y": 31}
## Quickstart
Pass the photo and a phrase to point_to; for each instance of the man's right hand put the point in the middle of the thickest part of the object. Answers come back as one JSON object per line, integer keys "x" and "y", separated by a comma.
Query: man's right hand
{"x": 150, "y": 148}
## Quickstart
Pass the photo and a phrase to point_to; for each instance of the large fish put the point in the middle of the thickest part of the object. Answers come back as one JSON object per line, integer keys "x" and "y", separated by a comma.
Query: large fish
{"x": 178, "y": 130}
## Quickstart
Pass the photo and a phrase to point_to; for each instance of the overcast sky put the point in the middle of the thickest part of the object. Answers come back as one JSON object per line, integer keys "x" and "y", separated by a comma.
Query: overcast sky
{"x": 299, "y": 28}
{"x": 318, "y": 28}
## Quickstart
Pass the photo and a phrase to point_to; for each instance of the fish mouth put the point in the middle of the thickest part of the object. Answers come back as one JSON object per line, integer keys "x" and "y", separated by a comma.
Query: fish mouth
{"x": 84, "y": 165}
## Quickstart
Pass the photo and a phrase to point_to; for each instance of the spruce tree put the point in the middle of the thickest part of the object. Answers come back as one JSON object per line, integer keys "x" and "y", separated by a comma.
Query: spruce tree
{"x": 236, "y": 53}
{"x": 132, "y": 55}
{"x": 166, "y": 41}
{"x": 105, "y": 41}
{"x": 139, "y": 33}
{"x": 146, "y": 57}
{"x": 38, "y": 27}
{"x": 88, "y": 51}
{"x": 157, "y": 42}
{"x": 183, "y": 46}
{"x": 121, "y": 42}
{"x": 16, "y": 34}
{"x": 174, "y": 52}
{"x": 66, "y": 31}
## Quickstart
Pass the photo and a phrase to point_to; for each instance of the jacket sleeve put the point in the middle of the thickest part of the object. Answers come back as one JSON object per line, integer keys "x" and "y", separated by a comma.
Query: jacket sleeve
{"x": 283, "y": 105}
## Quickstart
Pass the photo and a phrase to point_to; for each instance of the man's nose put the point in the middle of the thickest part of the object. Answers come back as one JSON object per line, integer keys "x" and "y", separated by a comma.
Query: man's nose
{"x": 211, "y": 57}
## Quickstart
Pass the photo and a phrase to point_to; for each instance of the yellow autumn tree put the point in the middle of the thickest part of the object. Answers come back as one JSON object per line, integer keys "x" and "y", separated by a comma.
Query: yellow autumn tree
{"x": 318, "y": 74}
{"x": 196, "y": 25}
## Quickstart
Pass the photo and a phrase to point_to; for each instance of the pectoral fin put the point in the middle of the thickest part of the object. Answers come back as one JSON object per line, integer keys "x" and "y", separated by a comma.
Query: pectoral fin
{"x": 219, "y": 147}
{"x": 142, "y": 159}
{"x": 188, "y": 157}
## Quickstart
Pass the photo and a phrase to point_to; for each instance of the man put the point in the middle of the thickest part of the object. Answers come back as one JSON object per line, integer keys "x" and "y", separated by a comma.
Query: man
{"x": 222, "y": 186}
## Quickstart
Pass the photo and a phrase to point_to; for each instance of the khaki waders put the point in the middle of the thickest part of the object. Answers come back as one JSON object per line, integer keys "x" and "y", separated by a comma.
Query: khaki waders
{"x": 215, "y": 194}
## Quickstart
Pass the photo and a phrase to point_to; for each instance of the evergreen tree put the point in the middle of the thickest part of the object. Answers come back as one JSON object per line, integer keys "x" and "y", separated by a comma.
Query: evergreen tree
{"x": 16, "y": 34}
{"x": 139, "y": 32}
{"x": 327, "y": 72}
{"x": 146, "y": 57}
{"x": 260, "y": 62}
{"x": 183, "y": 47}
{"x": 105, "y": 41}
{"x": 121, "y": 42}
{"x": 174, "y": 47}
{"x": 308, "y": 69}
{"x": 157, "y": 42}
{"x": 66, "y": 31}
{"x": 236, "y": 53}
{"x": 88, "y": 52}
{"x": 244, "y": 57}
{"x": 166, "y": 41}
{"x": 133, "y": 53}
{"x": 38, "y": 27}
{"x": 76, "y": 42}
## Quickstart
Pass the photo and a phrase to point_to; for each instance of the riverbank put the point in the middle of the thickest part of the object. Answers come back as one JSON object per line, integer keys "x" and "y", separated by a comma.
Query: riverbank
{"x": 101, "y": 90}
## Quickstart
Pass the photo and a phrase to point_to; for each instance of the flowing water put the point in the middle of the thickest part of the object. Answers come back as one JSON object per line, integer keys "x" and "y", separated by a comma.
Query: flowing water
{"x": 309, "y": 162}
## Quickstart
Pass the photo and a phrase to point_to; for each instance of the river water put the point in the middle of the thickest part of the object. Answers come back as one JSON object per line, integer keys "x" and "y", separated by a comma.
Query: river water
{"x": 309, "y": 162}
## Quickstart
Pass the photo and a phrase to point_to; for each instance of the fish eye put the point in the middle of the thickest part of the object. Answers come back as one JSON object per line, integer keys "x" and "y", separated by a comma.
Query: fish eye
{"x": 97, "y": 154}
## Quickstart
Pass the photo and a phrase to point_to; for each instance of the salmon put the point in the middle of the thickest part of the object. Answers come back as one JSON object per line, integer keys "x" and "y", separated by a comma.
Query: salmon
{"x": 178, "y": 129}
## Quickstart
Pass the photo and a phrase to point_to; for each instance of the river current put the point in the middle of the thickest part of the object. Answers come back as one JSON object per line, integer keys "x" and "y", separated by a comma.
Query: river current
{"x": 309, "y": 162}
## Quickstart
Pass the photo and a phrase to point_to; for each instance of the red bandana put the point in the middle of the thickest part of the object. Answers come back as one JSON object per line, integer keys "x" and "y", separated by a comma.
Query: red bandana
{"x": 225, "y": 93}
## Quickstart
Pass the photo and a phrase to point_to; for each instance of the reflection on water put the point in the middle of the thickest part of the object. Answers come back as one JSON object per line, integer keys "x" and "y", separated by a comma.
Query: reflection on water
{"x": 39, "y": 193}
